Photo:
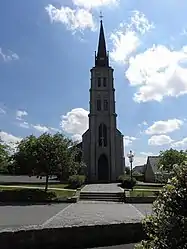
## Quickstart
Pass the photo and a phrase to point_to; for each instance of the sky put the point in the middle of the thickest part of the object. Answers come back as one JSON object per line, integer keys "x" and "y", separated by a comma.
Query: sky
{"x": 47, "y": 50}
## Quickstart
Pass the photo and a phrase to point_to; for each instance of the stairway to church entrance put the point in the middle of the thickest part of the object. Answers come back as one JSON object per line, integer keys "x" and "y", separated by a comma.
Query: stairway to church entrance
{"x": 103, "y": 169}
{"x": 110, "y": 192}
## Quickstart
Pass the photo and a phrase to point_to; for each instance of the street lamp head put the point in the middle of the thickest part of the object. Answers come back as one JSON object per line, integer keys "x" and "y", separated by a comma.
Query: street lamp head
{"x": 130, "y": 155}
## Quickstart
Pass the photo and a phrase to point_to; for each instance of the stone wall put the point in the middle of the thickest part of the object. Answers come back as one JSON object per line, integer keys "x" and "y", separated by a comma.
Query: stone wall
{"x": 148, "y": 199}
{"x": 71, "y": 237}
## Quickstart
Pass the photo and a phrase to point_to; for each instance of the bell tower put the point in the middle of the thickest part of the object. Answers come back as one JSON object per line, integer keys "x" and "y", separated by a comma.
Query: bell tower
{"x": 102, "y": 144}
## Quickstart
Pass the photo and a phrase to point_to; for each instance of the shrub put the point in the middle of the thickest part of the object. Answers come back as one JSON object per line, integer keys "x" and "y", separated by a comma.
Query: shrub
{"x": 76, "y": 181}
{"x": 127, "y": 170}
{"x": 126, "y": 181}
{"x": 26, "y": 195}
{"x": 167, "y": 226}
{"x": 121, "y": 178}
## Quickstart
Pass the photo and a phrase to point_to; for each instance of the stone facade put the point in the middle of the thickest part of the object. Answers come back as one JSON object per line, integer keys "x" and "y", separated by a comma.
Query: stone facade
{"x": 151, "y": 168}
{"x": 102, "y": 143}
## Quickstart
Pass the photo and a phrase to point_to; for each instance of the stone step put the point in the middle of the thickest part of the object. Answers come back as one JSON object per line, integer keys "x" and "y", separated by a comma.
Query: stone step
{"x": 98, "y": 196}
{"x": 101, "y": 196}
{"x": 102, "y": 200}
{"x": 102, "y": 193}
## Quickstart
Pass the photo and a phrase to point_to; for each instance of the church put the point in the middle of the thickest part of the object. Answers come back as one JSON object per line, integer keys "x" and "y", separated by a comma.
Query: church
{"x": 102, "y": 144}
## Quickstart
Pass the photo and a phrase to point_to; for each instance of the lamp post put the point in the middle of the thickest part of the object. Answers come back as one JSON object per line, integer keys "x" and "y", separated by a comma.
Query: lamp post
{"x": 130, "y": 155}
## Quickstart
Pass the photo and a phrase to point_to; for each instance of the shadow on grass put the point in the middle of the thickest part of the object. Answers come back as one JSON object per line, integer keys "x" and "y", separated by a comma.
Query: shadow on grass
{"x": 26, "y": 203}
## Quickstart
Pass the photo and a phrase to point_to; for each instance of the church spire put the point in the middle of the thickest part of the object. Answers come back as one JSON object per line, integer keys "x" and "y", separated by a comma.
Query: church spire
{"x": 101, "y": 59}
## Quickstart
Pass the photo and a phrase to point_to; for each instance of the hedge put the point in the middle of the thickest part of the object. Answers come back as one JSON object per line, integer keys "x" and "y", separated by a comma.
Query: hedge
{"x": 26, "y": 195}
{"x": 76, "y": 181}
{"x": 126, "y": 181}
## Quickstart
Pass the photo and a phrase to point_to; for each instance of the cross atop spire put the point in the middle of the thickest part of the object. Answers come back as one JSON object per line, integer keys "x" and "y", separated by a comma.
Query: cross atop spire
{"x": 101, "y": 15}
{"x": 101, "y": 59}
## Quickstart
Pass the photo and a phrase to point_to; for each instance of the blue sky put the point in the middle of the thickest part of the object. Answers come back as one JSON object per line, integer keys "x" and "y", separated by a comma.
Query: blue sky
{"x": 46, "y": 53}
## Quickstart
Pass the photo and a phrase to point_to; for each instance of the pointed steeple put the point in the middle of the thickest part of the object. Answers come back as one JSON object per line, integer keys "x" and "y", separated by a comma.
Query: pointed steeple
{"x": 101, "y": 59}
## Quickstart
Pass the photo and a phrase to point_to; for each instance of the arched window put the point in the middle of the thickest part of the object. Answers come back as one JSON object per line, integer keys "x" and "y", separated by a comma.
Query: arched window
{"x": 104, "y": 81}
{"x": 105, "y": 105}
{"x": 103, "y": 135}
{"x": 99, "y": 82}
{"x": 98, "y": 104}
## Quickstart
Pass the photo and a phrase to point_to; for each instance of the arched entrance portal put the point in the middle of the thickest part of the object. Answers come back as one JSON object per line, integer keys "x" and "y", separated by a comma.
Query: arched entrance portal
{"x": 103, "y": 169}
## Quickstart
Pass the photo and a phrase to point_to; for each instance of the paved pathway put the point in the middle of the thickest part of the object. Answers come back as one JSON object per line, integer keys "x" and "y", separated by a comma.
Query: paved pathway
{"x": 82, "y": 213}
{"x": 104, "y": 188}
{"x": 19, "y": 216}
{"x": 75, "y": 214}
{"x": 95, "y": 213}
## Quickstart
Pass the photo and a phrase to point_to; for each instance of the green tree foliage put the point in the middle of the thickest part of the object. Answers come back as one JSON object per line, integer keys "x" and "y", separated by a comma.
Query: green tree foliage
{"x": 4, "y": 158}
{"x": 170, "y": 157}
{"x": 127, "y": 170}
{"x": 47, "y": 155}
{"x": 167, "y": 226}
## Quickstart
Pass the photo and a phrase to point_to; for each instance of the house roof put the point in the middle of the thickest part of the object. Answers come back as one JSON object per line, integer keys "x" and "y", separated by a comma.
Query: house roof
{"x": 139, "y": 169}
{"x": 153, "y": 162}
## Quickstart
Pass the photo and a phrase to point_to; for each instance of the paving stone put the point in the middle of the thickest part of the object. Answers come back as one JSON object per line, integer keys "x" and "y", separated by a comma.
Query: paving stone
{"x": 85, "y": 214}
{"x": 102, "y": 188}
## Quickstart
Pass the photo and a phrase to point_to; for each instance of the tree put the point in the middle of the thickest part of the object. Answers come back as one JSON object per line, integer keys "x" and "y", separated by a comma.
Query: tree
{"x": 46, "y": 155}
{"x": 170, "y": 157}
{"x": 4, "y": 157}
{"x": 24, "y": 159}
{"x": 167, "y": 226}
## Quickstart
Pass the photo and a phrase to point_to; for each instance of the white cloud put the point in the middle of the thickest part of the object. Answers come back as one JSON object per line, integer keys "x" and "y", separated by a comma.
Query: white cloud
{"x": 54, "y": 129}
{"x": 140, "y": 23}
{"x": 73, "y": 19}
{"x": 2, "y": 111}
{"x": 124, "y": 43}
{"x": 144, "y": 123}
{"x": 146, "y": 154}
{"x": 158, "y": 140}
{"x": 40, "y": 128}
{"x": 77, "y": 138}
{"x": 163, "y": 127}
{"x": 158, "y": 72}
{"x": 182, "y": 144}
{"x": 88, "y": 4}
{"x": 75, "y": 122}
{"x": 24, "y": 125}
{"x": 20, "y": 114}
{"x": 138, "y": 160}
{"x": 8, "y": 56}
{"x": 128, "y": 140}
{"x": 9, "y": 139}
{"x": 126, "y": 40}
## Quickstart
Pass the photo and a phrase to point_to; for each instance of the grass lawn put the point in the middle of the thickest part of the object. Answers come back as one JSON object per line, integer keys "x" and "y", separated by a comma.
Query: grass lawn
{"x": 147, "y": 187}
{"x": 58, "y": 185}
{"x": 137, "y": 193}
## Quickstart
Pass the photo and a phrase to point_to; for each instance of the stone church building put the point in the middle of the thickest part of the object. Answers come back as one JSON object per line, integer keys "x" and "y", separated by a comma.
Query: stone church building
{"x": 102, "y": 143}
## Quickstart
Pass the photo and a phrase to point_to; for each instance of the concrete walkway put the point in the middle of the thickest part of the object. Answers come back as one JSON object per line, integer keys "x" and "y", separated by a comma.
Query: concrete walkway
{"x": 103, "y": 188}
{"x": 94, "y": 213}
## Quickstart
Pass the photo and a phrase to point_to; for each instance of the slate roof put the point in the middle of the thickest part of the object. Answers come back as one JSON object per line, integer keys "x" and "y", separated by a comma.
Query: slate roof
{"x": 153, "y": 162}
{"x": 139, "y": 169}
